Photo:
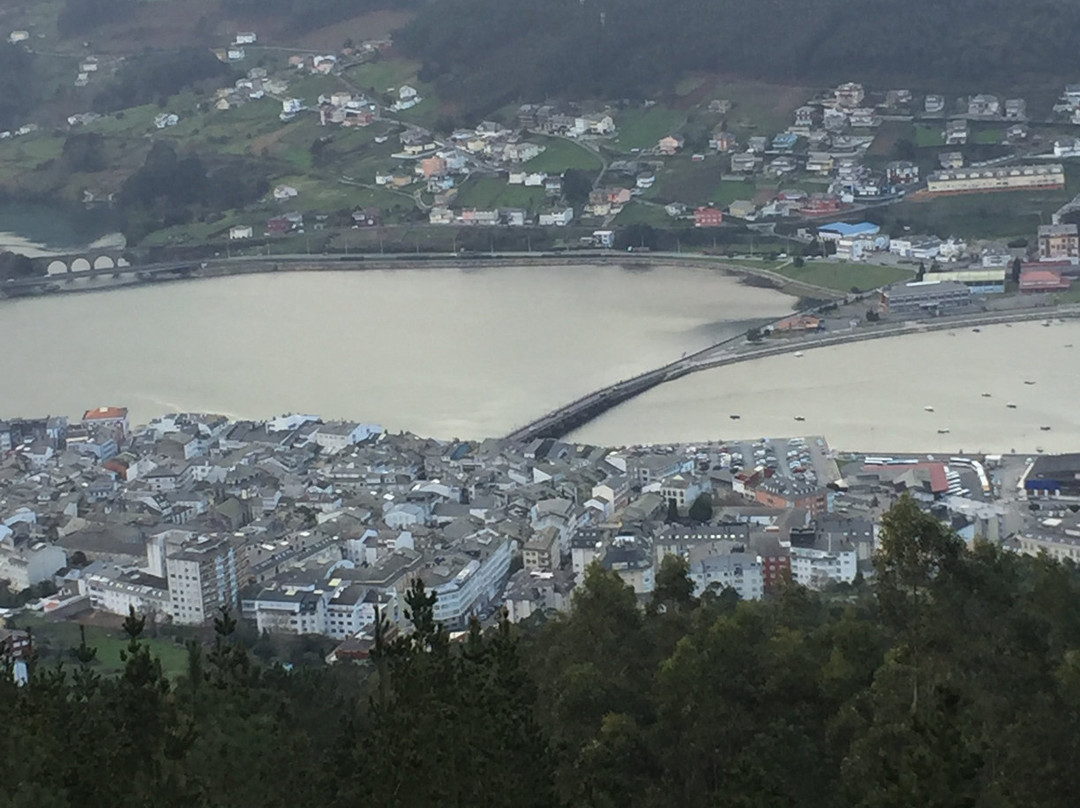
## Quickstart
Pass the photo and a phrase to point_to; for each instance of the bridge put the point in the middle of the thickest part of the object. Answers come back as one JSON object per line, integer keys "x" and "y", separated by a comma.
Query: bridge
{"x": 101, "y": 260}
{"x": 567, "y": 418}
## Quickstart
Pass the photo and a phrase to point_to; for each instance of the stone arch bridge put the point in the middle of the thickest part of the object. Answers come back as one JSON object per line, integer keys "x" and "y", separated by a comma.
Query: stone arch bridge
{"x": 89, "y": 261}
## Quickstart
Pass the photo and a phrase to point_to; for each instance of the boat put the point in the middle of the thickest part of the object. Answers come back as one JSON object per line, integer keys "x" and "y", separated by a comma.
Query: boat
{"x": 734, "y": 417}
{"x": 928, "y": 408}
{"x": 1027, "y": 382}
{"x": 798, "y": 353}
{"x": 799, "y": 418}
{"x": 1011, "y": 406}
{"x": 1046, "y": 324}
{"x": 944, "y": 431}
{"x": 1044, "y": 428}
{"x": 986, "y": 395}
{"x": 1068, "y": 345}
{"x": 976, "y": 330}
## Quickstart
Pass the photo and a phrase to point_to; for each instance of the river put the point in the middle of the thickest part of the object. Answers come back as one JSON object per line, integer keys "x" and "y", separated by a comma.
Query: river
{"x": 441, "y": 352}
{"x": 872, "y": 396}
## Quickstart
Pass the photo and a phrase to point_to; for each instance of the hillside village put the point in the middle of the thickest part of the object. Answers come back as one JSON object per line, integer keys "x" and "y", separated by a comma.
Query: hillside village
{"x": 353, "y": 139}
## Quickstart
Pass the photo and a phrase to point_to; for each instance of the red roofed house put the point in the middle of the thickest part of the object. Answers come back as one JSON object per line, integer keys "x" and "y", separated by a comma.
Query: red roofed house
{"x": 1043, "y": 280}
{"x": 116, "y": 417}
{"x": 798, "y": 322}
{"x": 708, "y": 217}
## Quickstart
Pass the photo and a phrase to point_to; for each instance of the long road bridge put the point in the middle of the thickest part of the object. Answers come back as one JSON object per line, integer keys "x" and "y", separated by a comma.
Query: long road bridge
{"x": 569, "y": 417}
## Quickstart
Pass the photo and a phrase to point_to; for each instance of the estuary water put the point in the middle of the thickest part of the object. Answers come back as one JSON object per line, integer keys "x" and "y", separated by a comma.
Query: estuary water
{"x": 932, "y": 392}
{"x": 440, "y": 352}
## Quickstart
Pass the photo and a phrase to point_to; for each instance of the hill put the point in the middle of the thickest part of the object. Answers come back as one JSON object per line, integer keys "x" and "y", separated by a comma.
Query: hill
{"x": 488, "y": 52}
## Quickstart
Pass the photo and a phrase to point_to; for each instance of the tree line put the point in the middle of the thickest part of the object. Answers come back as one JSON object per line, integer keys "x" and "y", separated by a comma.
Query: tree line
{"x": 485, "y": 53}
{"x": 952, "y": 680}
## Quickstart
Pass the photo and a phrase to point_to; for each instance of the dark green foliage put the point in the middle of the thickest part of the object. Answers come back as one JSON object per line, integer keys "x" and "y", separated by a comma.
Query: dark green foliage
{"x": 18, "y": 84}
{"x": 484, "y": 53}
{"x": 79, "y": 17}
{"x": 701, "y": 509}
{"x": 84, "y": 152}
{"x": 954, "y": 680}
{"x": 151, "y": 75}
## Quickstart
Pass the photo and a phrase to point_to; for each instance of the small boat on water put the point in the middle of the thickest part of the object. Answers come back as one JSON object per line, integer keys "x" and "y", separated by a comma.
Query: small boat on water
{"x": 944, "y": 431}
{"x": 798, "y": 353}
{"x": 1068, "y": 345}
{"x": 986, "y": 395}
{"x": 1046, "y": 324}
{"x": 734, "y": 417}
{"x": 1044, "y": 428}
{"x": 799, "y": 418}
{"x": 1027, "y": 382}
{"x": 976, "y": 330}
{"x": 928, "y": 408}
{"x": 1011, "y": 406}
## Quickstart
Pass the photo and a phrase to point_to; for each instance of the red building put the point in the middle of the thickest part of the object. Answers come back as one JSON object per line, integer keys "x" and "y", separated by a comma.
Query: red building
{"x": 820, "y": 204}
{"x": 708, "y": 217}
{"x": 1043, "y": 280}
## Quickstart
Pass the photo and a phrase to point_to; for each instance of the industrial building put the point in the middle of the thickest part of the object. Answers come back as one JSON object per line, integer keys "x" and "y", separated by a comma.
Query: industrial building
{"x": 980, "y": 281}
{"x": 1010, "y": 178}
{"x": 925, "y": 297}
{"x": 1054, "y": 476}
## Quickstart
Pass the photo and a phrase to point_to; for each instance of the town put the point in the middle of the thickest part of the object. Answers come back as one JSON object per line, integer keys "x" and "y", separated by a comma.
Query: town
{"x": 309, "y": 527}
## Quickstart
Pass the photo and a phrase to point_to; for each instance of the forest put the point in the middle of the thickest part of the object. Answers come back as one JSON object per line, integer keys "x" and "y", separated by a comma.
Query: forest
{"x": 951, "y": 679}
{"x": 485, "y": 53}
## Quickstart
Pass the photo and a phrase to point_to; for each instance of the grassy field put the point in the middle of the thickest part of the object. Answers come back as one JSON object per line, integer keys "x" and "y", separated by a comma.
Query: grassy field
{"x": 560, "y": 154}
{"x": 640, "y": 213}
{"x": 844, "y": 277}
{"x": 928, "y": 134}
{"x": 383, "y": 75}
{"x": 57, "y": 638}
{"x": 683, "y": 180}
{"x": 729, "y": 191}
{"x": 988, "y": 137}
{"x": 486, "y": 193}
{"x": 642, "y": 128}
{"x": 763, "y": 108}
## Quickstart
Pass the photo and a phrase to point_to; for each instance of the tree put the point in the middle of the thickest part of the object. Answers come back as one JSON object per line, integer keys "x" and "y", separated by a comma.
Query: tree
{"x": 701, "y": 510}
{"x": 673, "y": 587}
{"x": 672, "y": 511}
{"x": 753, "y": 334}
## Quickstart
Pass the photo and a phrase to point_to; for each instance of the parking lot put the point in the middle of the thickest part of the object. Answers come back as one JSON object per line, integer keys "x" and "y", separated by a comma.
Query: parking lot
{"x": 799, "y": 460}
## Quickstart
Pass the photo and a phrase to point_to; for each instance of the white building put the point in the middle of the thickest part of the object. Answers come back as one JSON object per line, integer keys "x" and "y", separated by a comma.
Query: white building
{"x": 828, "y": 561}
{"x": 240, "y": 231}
{"x": 134, "y": 589}
{"x": 556, "y": 218}
{"x": 202, "y": 577}
{"x": 465, "y": 585}
{"x": 334, "y": 437}
{"x": 24, "y": 566}
{"x": 246, "y": 38}
{"x": 739, "y": 571}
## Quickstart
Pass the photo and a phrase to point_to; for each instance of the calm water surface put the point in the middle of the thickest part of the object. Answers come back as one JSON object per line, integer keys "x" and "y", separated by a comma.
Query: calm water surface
{"x": 872, "y": 395}
{"x": 440, "y": 352}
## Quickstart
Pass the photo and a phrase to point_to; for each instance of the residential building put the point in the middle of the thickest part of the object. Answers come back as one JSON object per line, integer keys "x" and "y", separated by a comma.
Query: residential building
{"x": 631, "y": 559}
{"x": 203, "y": 575}
{"x": 115, "y": 418}
{"x": 1059, "y": 242}
{"x": 980, "y": 280}
{"x": 708, "y": 217}
{"x": 1015, "y": 109}
{"x": 530, "y": 591}
{"x": 126, "y": 590}
{"x": 336, "y": 436}
{"x": 26, "y": 563}
{"x": 902, "y": 172}
{"x": 240, "y": 231}
{"x": 968, "y": 180}
{"x": 740, "y": 572}
{"x": 469, "y": 580}
{"x": 849, "y": 95}
{"x": 827, "y": 560}
{"x": 984, "y": 106}
{"x": 745, "y": 163}
{"x": 556, "y": 218}
{"x": 934, "y": 104}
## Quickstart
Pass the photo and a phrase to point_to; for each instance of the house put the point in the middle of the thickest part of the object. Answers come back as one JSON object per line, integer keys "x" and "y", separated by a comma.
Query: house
{"x": 1015, "y": 109}
{"x": 433, "y": 167}
{"x": 708, "y": 217}
{"x": 863, "y": 118}
{"x": 902, "y": 172}
{"x": 835, "y": 120}
{"x": 745, "y": 163}
{"x": 984, "y": 106}
{"x": 246, "y": 38}
{"x": 558, "y": 218}
{"x": 164, "y": 120}
{"x": 757, "y": 144}
{"x": 240, "y": 231}
{"x": 934, "y": 104}
{"x": 1059, "y": 242}
{"x": 723, "y": 141}
{"x": 535, "y": 180}
{"x": 742, "y": 209}
{"x": 821, "y": 204}
{"x": 18, "y": 36}
{"x": 956, "y": 132}
{"x": 1067, "y": 147}
{"x": 818, "y": 162}
{"x": 670, "y": 144}
{"x": 367, "y": 217}
{"x": 849, "y": 95}
{"x": 291, "y": 106}
{"x": 440, "y": 215}
{"x": 283, "y": 192}
{"x": 234, "y": 53}
{"x": 645, "y": 181}
{"x": 604, "y": 238}
{"x": 839, "y": 230}
{"x": 113, "y": 418}
{"x": 804, "y": 117}
{"x": 515, "y": 217}
{"x": 951, "y": 159}
{"x": 785, "y": 141}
